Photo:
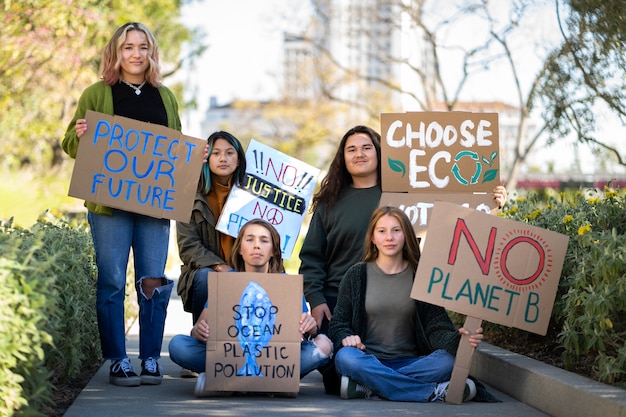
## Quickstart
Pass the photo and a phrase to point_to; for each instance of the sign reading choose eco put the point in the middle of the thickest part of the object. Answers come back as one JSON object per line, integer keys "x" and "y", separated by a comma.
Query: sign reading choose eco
{"x": 440, "y": 151}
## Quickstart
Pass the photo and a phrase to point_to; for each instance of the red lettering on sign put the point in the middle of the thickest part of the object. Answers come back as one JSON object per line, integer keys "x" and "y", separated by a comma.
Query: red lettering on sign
{"x": 483, "y": 262}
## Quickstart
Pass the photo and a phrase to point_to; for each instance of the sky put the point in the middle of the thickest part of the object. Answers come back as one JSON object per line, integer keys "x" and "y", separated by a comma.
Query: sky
{"x": 244, "y": 58}
{"x": 244, "y": 52}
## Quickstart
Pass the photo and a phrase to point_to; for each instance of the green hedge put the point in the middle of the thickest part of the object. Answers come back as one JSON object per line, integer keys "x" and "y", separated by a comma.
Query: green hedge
{"x": 589, "y": 316}
{"x": 48, "y": 331}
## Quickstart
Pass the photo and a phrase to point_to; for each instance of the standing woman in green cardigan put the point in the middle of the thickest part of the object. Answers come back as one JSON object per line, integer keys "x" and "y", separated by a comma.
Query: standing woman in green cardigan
{"x": 130, "y": 86}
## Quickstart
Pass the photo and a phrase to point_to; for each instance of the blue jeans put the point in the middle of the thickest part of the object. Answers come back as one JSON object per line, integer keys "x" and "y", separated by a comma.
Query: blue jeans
{"x": 190, "y": 354}
{"x": 401, "y": 379}
{"x": 199, "y": 292}
{"x": 113, "y": 237}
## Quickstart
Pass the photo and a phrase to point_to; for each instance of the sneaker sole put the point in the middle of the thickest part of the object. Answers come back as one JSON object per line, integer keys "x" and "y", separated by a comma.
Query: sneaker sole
{"x": 343, "y": 391}
{"x": 186, "y": 373}
{"x": 131, "y": 381}
{"x": 151, "y": 380}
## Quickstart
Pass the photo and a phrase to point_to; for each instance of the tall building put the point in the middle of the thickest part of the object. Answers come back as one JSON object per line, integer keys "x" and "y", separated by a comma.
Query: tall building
{"x": 346, "y": 52}
{"x": 299, "y": 76}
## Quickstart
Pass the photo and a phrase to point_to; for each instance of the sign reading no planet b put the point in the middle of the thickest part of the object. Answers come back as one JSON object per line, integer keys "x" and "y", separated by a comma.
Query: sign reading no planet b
{"x": 138, "y": 167}
{"x": 277, "y": 188}
{"x": 440, "y": 151}
{"x": 495, "y": 269}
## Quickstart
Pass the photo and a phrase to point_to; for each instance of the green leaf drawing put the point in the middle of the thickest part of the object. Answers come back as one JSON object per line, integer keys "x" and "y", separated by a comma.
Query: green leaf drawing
{"x": 490, "y": 175}
{"x": 397, "y": 166}
{"x": 489, "y": 160}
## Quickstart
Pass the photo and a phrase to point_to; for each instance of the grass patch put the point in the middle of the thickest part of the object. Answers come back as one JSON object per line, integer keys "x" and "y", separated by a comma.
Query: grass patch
{"x": 24, "y": 195}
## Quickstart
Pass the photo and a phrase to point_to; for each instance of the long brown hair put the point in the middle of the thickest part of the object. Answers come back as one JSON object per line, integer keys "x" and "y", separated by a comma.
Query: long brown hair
{"x": 411, "y": 248}
{"x": 276, "y": 261}
{"x": 338, "y": 176}
{"x": 110, "y": 66}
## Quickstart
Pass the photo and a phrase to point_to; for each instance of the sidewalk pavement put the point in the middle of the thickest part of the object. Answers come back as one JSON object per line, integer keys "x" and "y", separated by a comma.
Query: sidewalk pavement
{"x": 175, "y": 397}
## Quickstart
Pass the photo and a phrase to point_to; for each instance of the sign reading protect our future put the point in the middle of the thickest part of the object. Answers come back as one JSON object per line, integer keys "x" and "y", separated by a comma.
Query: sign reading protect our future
{"x": 495, "y": 269}
{"x": 139, "y": 167}
{"x": 277, "y": 188}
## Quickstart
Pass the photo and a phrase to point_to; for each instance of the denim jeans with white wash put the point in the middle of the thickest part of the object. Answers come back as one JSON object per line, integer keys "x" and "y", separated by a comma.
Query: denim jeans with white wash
{"x": 113, "y": 237}
{"x": 402, "y": 379}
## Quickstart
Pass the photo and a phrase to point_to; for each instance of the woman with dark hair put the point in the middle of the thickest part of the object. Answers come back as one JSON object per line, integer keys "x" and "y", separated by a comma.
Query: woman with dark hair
{"x": 341, "y": 211}
{"x": 256, "y": 249}
{"x": 130, "y": 86}
{"x": 202, "y": 248}
{"x": 388, "y": 344}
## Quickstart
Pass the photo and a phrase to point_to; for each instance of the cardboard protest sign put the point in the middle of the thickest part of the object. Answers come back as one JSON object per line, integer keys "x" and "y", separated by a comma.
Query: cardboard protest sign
{"x": 439, "y": 151}
{"x": 277, "y": 189}
{"x": 254, "y": 344}
{"x": 484, "y": 266}
{"x": 418, "y": 206}
{"x": 139, "y": 167}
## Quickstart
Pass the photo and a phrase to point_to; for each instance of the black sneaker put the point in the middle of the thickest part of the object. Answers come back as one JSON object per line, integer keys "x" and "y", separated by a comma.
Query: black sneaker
{"x": 123, "y": 374}
{"x": 350, "y": 389}
{"x": 441, "y": 390}
{"x": 151, "y": 372}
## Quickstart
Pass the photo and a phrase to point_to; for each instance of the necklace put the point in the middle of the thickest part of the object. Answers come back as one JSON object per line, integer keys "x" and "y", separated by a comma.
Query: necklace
{"x": 137, "y": 89}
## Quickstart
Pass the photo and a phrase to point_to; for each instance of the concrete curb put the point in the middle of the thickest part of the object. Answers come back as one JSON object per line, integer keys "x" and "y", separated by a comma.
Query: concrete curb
{"x": 552, "y": 390}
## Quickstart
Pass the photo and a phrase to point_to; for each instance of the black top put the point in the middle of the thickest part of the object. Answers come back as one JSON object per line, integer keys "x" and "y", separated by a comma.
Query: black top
{"x": 145, "y": 107}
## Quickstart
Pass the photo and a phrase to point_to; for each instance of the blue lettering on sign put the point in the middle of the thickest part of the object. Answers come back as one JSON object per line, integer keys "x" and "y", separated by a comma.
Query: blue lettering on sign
{"x": 147, "y": 181}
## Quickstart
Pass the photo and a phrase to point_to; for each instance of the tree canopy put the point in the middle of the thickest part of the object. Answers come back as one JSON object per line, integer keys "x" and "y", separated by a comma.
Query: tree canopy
{"x": 50, "y": 51}
{"x": 586, "y": 72}
{"x": 577, "y": 81}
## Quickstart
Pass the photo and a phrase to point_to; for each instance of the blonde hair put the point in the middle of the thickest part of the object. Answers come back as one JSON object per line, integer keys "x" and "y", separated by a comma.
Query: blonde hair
{"x": 411, "y": 248}
{"x": 275, "y": 262}
{"x": 111, "y": 64}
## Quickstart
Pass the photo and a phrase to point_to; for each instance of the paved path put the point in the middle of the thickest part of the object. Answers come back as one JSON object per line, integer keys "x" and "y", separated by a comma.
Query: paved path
{"x": 174, "y": 397}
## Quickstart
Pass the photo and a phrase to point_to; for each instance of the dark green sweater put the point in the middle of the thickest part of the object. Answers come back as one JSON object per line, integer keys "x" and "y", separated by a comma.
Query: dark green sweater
{"x": 433, "y": 328}
{"x": 334, "y": 242}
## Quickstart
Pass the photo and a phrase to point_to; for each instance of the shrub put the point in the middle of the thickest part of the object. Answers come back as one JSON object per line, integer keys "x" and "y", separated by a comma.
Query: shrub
{"x": 24, "y": 380}
{"x": 589, "y": 310}
{"x": 49, "y": 329}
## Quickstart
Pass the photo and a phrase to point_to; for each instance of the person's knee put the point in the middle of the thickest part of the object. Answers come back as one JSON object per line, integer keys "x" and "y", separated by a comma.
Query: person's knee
{"x": 174, "y": 347}
{"x": 347, "y": 358}
{"x": 324, "y": 344}
{"x": 148, "y": 285}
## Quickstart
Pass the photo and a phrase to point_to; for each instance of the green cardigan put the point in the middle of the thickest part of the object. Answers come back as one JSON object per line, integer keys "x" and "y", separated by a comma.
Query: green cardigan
{"x": 98, "y": 97}
{"x": 198, "y": 246}
{"x": 433, "y": 328}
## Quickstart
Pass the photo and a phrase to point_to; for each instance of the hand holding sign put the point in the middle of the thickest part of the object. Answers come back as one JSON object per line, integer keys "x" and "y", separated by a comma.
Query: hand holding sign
{"x": 489, "y": 268}
{"x": 135, "y": 166}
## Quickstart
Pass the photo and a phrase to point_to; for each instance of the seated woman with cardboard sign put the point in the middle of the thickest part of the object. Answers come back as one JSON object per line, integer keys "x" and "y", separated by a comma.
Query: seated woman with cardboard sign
{"x": 256, "y": 249}
{"x": 387, "y": 344}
